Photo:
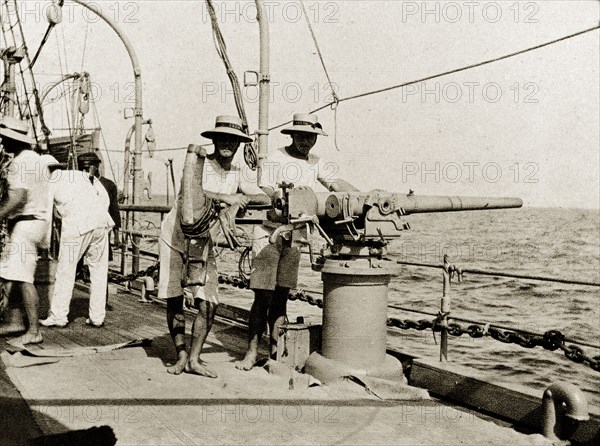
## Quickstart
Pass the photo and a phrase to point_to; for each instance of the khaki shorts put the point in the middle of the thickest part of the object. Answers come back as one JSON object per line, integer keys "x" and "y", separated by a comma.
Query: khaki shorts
{"x": 19, "y": 255}
{"x": 274, "y": 265}
{"x": 171, "y": 273}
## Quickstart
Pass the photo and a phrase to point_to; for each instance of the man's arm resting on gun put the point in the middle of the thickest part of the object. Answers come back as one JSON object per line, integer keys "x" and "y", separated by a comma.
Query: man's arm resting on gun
{"x": 339, "y": 185}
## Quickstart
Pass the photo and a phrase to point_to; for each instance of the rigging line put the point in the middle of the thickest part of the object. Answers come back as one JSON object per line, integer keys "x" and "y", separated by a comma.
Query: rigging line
{"x": 87, "y": 27}
{"x": 5, "y": 33}
{"x": 457, "y": 70}
{"x": 170, "y": 149}
{"x": 36, "y": 96}
{"x": 221, "y": 48}
{"x": 51, "y": 26}
{"x": 336, "y": 99}
{"x": 314, "y": 37}
{"x": 64, "y": 48}
{"x": 42, "y": 43}
{"x": 60, "y": 63}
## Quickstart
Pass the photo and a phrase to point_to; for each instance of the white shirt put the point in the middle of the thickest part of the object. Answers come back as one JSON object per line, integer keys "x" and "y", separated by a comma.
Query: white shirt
{"x": 26, "y": 171}
{"x": 281, "y": 167}
{"x": 215, "y": 179}
{"x": 82, "y": 206}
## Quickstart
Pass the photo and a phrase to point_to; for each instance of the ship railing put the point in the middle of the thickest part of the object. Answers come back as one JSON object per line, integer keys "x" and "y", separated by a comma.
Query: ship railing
{"x": 442, "y": 321}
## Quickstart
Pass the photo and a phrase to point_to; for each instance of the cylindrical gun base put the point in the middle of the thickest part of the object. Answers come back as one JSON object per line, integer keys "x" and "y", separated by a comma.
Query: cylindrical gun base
{"x": 355, "y": 313}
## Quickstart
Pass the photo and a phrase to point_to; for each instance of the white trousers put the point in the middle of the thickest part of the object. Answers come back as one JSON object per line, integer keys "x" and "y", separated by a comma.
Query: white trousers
{"x": 93, "y": 246}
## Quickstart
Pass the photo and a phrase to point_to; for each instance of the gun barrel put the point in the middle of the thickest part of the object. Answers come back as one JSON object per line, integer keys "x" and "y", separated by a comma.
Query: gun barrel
{"x": 424, "y": 204}
{"x": 340, "y": 204}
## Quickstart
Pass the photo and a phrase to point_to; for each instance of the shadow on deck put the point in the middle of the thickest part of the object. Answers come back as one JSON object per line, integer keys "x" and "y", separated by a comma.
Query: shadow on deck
{"x": 130, "y": 391}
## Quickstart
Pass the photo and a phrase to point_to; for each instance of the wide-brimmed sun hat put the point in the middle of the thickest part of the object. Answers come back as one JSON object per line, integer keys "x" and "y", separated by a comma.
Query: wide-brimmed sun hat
{"x": 12, "y": 128}
{"x": 228, "y": 125}
{"x": 306, "y": 123}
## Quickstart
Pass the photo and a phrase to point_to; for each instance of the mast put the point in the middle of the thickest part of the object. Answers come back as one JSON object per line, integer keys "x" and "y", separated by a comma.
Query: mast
{"x": 11, "y": 57}
{"x": 263, "y": 86}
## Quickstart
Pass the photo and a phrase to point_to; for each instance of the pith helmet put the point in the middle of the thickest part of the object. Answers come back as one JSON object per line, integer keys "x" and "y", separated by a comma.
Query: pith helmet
{"x": 15, "y": 129}
{"x": 305, "y": 122}
{"x": 228, "y": 125}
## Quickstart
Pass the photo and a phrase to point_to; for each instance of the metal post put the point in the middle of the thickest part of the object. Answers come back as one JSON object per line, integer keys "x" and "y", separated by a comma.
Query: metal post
{"x": 11, "y": 57}
{"x": 138, "y": 186}
{"x": 10, "y": 108}
{"x": 263, "y": 87}
{"x": 444, "y": 310}
{"x": 124, "y": 235}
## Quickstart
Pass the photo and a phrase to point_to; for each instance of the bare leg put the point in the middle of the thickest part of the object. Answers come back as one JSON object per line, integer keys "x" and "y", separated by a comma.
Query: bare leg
{"x": 13, "y": 317}
{"x": 202, "y": 325}
{"x": 258, "y": 321}
{"x": 277, "y": 317}
{"x": 30, "y": 301}
{"x": 176, "y": 324}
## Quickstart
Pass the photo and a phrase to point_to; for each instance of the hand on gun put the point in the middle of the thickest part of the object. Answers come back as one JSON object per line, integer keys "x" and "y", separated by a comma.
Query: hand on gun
{"x": 238, "y": 200}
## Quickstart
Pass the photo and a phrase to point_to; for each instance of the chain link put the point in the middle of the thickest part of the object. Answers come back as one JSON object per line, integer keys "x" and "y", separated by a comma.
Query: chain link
{"x": 551, "y": 340}
{"x": 117, "y": 278}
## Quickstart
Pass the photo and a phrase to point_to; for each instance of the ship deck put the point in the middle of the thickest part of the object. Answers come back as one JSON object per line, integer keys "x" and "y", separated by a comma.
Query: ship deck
{"x": 129, "y": 390}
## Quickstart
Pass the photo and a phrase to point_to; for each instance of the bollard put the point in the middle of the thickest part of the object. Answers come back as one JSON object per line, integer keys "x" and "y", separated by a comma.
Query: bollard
{"x": 563, "y": 406}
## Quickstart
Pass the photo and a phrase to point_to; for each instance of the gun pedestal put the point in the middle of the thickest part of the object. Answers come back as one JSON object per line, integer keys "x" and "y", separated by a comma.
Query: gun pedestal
{"x": 355, "y": 299}
{"x": 357, "y": 227}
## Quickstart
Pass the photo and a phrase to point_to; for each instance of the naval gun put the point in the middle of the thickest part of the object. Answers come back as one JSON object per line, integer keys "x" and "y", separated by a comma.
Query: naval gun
{"x": 357, "y": 227}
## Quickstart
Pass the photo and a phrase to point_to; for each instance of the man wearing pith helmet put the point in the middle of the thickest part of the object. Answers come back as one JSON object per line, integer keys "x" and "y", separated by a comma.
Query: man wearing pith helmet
{"x": 275, "y": 266}
{"x": 27, "y": 212}
{"x": 223, "y": 181}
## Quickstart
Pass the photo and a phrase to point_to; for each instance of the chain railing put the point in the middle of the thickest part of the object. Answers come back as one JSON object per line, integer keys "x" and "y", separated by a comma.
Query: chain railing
{"x": 442, "y": 322}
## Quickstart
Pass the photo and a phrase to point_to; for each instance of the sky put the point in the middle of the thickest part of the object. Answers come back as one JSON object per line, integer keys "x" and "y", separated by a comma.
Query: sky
{"x": 525, "y": 127}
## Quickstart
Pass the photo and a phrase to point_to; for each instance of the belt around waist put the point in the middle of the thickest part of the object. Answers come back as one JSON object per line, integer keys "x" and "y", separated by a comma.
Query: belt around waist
{"x": 19, "y": 218}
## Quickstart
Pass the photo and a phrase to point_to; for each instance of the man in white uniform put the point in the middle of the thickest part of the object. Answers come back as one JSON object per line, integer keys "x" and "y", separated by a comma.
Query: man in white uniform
{"x": 224, "y": 182}
{"x": 82, "y": 204}
{"x": 26, "y": 209}
{"x": 275, "y": 266}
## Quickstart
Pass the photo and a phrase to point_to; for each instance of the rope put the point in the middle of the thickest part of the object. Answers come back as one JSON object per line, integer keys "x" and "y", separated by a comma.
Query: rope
{"x": 249, "y": 152}
{"x": 51, "y": 26}
{"x": 312, "y": 33}
{"x": 336, "y": 99}
{"x": 446, "y": 73}
{"x": 70, "y": 118}
{"x": 36, "y": 96}
{"x": 87, "y": 26}
{"x": 503, "y": 274}
{"x": 97, "y": 118}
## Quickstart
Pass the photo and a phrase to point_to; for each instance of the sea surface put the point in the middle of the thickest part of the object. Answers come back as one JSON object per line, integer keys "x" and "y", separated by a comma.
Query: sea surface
{"x": 560, "y": 243}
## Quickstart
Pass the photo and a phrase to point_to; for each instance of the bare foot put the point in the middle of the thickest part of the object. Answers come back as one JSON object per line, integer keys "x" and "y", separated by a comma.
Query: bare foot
{"x": 31, "y": 338}
{"x": 247, "y": 363}
{"x": 179, "y": 366}
{"x": 198, "y": 369}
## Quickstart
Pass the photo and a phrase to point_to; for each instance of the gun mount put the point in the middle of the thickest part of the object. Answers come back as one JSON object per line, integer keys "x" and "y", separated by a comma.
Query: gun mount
{"x": 357, "y": 226}
{"x": 360, "y": 224}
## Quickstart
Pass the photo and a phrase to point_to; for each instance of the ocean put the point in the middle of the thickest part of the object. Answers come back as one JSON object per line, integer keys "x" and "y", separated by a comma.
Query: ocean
{"x": 560, "y": 243}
